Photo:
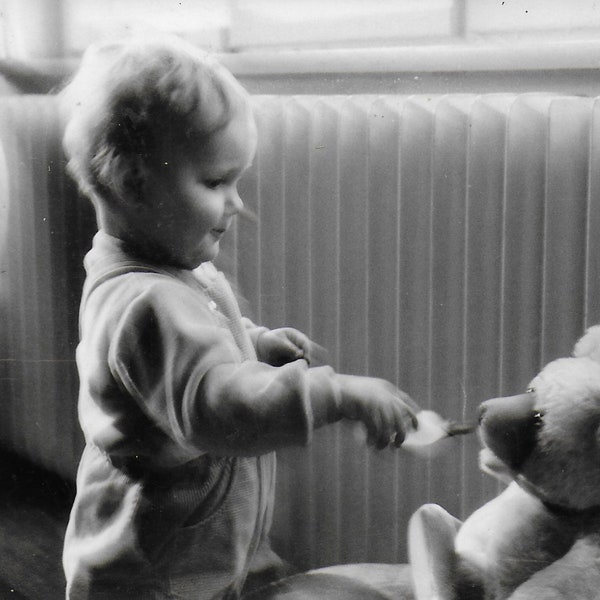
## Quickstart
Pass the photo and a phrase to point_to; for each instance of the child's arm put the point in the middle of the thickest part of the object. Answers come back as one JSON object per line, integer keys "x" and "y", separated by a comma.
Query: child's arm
{"x": 254, "y": 331}
{"x": 254, "y": 407}
{"x": 185, "y": 372}
{"x": 283, "y": 345}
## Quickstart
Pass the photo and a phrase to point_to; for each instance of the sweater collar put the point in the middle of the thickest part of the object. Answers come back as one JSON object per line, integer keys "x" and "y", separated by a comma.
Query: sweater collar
{"x": 109, "y": 252}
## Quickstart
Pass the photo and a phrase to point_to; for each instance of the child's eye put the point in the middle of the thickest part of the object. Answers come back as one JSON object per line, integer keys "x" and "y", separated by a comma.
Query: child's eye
{"x": 213, "y": 183}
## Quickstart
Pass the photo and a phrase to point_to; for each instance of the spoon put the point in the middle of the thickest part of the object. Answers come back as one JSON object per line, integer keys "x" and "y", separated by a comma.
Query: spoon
{"x": 432, "y": 428}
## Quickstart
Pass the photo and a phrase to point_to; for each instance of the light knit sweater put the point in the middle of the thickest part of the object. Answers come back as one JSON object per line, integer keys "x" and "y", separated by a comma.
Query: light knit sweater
{"x": 175, "y": 486}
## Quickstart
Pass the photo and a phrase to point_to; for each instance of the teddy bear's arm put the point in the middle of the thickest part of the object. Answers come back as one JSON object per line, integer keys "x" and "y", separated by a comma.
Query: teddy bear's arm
{"x": 431, "y": 534}
{"x": 576, "y": 576}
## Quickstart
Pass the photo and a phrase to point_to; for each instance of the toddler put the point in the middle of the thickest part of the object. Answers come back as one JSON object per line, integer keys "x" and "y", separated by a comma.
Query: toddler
{"x": 182, "y": 400}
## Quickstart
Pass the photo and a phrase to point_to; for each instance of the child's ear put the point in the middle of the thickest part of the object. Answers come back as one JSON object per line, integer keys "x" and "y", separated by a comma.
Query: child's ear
{"x": 134, "y": 180}
{"x": 589, "y": 344}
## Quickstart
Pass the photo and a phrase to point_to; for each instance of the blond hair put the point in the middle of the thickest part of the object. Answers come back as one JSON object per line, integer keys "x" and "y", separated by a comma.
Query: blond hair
{"x": 127, "y": 96}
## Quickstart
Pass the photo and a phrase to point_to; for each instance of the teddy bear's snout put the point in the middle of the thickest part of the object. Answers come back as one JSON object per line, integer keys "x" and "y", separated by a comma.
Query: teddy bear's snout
{"x": 509, "y": 426}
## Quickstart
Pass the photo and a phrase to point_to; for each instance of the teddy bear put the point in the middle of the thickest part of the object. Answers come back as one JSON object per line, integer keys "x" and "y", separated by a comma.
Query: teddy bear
{"x": 539, "y": 539}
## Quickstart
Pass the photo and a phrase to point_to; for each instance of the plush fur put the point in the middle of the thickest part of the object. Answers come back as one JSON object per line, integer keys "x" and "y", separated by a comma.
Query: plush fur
{"x": 540, "y": 538}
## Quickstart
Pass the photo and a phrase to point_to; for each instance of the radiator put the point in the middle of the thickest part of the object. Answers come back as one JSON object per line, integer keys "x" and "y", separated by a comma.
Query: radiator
{"x": 445, "y": 243}
{"x": 45, "y": 229}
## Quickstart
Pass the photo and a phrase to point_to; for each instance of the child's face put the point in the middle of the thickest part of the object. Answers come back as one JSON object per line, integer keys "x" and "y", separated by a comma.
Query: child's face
{"x": 190, "y": 195}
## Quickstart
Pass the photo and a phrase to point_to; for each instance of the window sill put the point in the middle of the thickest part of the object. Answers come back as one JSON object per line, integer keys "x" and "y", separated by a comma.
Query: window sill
{"x": 517, "y": 67}
{"x": 459, "y": 57}
{"x": 509, "y": 66}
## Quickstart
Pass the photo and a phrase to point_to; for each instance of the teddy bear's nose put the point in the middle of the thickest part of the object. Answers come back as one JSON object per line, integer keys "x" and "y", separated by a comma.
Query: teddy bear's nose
{"x": 509, "y": 427}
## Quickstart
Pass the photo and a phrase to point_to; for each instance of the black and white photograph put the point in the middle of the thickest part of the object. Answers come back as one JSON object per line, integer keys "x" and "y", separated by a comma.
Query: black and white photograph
{"x": 299, "y": 300}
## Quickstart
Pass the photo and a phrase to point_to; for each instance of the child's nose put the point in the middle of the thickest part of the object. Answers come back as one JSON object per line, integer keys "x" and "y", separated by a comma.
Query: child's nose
{"x": 234, "y": 202}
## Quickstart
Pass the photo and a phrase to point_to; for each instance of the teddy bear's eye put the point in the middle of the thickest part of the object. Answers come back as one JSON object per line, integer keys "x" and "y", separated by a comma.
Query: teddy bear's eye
{"x": 530, "y": 390}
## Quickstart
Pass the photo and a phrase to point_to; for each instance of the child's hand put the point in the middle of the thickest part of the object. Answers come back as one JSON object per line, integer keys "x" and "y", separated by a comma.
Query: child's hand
{"x": 387, "y": 412}
{"x": 280, "y": 346}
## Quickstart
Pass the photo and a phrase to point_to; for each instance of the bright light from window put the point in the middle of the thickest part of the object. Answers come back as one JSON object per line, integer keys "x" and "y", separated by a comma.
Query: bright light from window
{"x": 52, "y": 28}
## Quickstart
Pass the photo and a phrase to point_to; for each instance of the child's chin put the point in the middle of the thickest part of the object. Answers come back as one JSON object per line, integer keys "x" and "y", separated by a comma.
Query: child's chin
{"x": 208, "y": 253}
{"x": 195, "y": 260}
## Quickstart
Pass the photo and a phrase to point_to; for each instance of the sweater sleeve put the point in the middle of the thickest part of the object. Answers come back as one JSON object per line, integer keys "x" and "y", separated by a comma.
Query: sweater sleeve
{"x": 185, "y": 371}
{"x": 253, "y": 330}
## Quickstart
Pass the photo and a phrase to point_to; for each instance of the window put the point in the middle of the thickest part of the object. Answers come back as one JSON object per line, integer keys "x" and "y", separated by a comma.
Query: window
{"x": 331, "y": 46}
{"x": 58, "y": 28}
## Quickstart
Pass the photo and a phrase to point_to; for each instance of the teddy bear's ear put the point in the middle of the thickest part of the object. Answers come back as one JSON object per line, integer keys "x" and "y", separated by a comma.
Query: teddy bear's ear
{"x": 589, "y": 344}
